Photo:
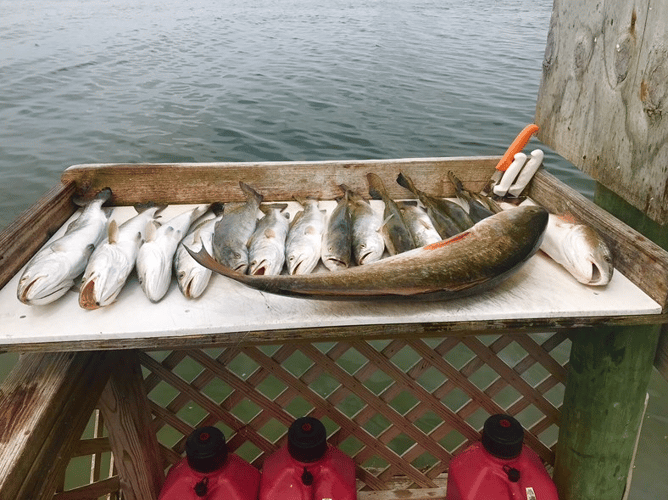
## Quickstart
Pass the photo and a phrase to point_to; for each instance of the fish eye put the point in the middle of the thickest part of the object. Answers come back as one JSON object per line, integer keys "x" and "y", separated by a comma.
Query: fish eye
{"x": 237, "y": 255}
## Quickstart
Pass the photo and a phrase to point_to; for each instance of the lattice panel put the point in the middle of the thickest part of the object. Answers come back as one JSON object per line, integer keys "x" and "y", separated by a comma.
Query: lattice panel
{"x": 400, "y": 408}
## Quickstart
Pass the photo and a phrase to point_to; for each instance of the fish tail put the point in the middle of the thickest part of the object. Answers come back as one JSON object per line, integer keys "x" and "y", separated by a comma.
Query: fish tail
{"x": 376, "y": 187}
{"x": 217, "y": 208}
{"x": 143, "y": 207}
{"x": 406, "y": 182}
{"x": 268, "y": 207}
{"x": 250, "y": 192}
{"x": 516, "y": 146}
{"x": 459, "y": 187}
{"x": 103, "y": 195}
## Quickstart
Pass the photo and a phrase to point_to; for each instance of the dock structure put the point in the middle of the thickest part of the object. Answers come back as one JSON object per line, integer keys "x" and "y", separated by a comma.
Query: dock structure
{"x": 602, "y": 105}
{"x": 401, "y": 387}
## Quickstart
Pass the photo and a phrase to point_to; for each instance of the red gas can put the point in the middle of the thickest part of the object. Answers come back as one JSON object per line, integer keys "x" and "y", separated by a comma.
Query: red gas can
{"x": 307, "y": 468}
{"x": 209, "y": 472}
{"x": 500, "y": 467}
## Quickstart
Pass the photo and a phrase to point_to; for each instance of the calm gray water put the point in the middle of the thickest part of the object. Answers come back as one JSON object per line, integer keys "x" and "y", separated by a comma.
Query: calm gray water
{"x": 245, "y": 80}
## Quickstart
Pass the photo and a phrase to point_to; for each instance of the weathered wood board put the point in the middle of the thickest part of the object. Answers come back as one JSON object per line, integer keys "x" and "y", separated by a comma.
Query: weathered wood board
{"x": 229, "y": 312}
{"x": 603, "y": 98}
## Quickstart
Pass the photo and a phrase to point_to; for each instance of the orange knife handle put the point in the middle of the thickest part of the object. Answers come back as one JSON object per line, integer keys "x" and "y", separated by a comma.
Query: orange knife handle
{"x": 517, "y": 145}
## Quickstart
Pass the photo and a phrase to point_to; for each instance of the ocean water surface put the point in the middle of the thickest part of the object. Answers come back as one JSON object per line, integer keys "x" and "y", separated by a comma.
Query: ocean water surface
{"x": 88, "y": 81}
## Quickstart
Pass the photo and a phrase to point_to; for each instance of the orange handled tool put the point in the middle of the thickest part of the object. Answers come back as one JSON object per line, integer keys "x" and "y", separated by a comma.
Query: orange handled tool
{"x": 515, "y": 147}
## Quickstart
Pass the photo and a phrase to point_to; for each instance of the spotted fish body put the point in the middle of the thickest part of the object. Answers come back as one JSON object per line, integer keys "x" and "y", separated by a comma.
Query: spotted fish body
{"x": 419, "y": 224}
{"x": 266, "y": 248}
{"x": 470, "y": 262}
{"x": 113, "y": 261}
{"x": 397, "y": 236}
{"x": 51, "y": 272}
{"x": 368, "y": 242}
{"x": 448, "y": 217}
{"x": 337, "y": 240}
{"x": 304, "y": 242}
{"x": 232, "y": 232}
{"x": 156, "y": 255}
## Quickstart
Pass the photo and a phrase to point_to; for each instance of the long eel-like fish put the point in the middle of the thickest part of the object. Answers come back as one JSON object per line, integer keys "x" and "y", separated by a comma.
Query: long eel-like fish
{"x": 467, "y": 263}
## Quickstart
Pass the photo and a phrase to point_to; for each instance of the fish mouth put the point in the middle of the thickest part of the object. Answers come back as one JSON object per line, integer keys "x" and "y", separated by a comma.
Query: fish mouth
{"x": 337, "y": 263}
{"x": 261, "y": 269}
{"x": 367, "y": 257}
{"x": 31, "y": 294}
{"x": 241, "y": 268}
{"x": 87, "y": 296}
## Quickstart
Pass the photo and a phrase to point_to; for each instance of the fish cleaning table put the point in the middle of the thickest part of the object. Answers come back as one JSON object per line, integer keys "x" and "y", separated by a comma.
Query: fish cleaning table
{"x": 402, "y": 385}
{"x": 229, "y": 312}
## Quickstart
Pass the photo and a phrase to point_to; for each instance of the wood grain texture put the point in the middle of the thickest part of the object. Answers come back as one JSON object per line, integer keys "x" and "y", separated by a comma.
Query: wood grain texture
{"x": 45, "y": 404}
{"x": 126, "y": 413}
{"x": 603, "y": 98}
{"x": 277, "y": 181}
{"x": 25, "y": 235}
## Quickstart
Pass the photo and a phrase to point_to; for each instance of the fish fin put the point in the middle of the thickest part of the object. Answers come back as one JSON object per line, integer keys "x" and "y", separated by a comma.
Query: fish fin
{"x": 112, "y": 231}
{"x": 386, "y": 220}
{"x": 151, "y": 230}
{"x": 250, "y": 192}
{"x": 89, "y": 250}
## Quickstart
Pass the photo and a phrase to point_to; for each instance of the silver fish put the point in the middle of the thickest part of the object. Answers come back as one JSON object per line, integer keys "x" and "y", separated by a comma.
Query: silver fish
{"x": 368, "y": 243}
{"x": 419, "y": 224}
{"x": 266, "y": 248}
{"x": 579, "y": 249}
{"x": 470, "y": 262}
{"x": 112, "y": 262}
{"x": 304, "y": 242}
{"x": 397, "y": 237}
{"x": 156, "y": 255}
{"x": 192, "y": 277}
{"x": 231, "y": 234}
{"x": 337, "y": 242}
{"x": 477, "y": 205}
{"x": 52, "y": 270}
{"x": 448, "y": 217}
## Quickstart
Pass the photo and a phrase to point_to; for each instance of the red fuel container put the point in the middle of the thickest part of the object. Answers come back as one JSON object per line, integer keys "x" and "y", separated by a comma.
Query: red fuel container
{"x": 209, "y": 472}
{"x": 500, "y": 467}
{"x": 307, "y": 468}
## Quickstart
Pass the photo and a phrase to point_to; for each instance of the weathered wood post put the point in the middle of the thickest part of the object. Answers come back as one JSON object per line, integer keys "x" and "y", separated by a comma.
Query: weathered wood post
{"x": 45, "y": 404}
{"x": 601, "y": 105}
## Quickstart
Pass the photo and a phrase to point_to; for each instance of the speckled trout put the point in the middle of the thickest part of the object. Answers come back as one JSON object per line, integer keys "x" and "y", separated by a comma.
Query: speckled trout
{"x": 475, "y": 260}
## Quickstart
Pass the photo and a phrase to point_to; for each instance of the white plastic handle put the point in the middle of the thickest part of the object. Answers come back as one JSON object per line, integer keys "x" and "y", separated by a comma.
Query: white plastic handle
{"x": 527, "y": 173}
{"x": 510, "y": 174}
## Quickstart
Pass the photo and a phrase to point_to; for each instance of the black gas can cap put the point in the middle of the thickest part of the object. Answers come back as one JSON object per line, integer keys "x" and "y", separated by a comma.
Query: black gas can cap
{"x": 307, "y": 439}
{"x": 502, "y": 436}
{"x": 206, "y": 449}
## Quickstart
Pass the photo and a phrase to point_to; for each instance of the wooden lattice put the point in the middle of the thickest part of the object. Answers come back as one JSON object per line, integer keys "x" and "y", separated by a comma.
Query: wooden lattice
{"x": 400, "y": 408}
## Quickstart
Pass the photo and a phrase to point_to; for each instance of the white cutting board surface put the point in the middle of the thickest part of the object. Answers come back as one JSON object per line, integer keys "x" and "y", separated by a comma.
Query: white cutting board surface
{"x": 540, "y": 289}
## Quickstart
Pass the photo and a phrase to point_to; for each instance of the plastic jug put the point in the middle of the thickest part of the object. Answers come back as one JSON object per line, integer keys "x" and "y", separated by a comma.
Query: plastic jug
{"x": 209, "y": 472}
{"x": 500, "y": 467}
{"x": 308, "y": 468}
